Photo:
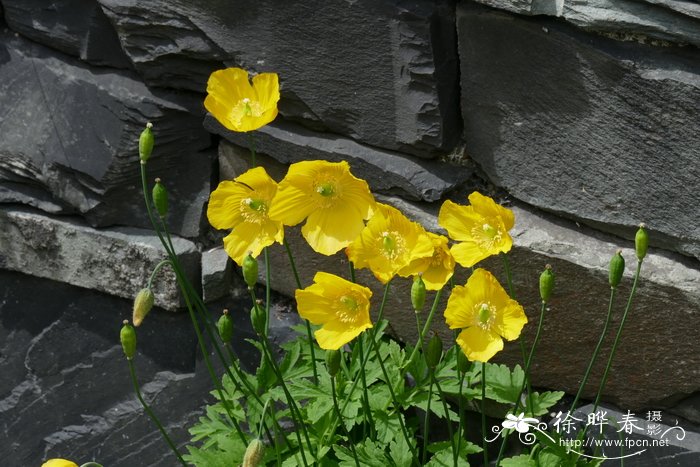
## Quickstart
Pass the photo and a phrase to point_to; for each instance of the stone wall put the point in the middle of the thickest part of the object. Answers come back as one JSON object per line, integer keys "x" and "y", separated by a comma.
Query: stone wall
{"x": 583, "y": 115}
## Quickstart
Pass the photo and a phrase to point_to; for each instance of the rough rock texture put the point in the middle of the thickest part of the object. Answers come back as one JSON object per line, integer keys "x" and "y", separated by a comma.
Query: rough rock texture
{"x": 658, "y": 360}
{"x": 117, "y": 261}
{"x": 216, "y": 274}
{"x": 638, "y": 20}
{"x": 76, "y": 27}
{"x": 601, "y": 131}
{"x": 70, "y": 138}
{"x": 400, "y": 91}
{"x": 385, "y": 171}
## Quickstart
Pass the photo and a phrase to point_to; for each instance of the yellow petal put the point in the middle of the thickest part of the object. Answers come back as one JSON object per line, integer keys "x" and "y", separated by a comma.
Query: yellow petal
{"x": 459, "y": 221}
{"x": 59, "y": 463}
{"x": 291, "y": 204}
{"x": 231, "y": 83}
{"x": 479, "y": 345}
{"x": 488, "y": 208}
{"x": 312, "y": 305}
{"x": 329, "y": 230}
{"x": 459, "y": 312}
{"x": 251, "y": 237}
{"x": 267, "y": 90}
{"x": 510, "y": 320}
{"x": 468, "y": 253}
{"x": 484, "y": 287}
{"x": 335, "y": 334}
{"x": 224, "y": 209}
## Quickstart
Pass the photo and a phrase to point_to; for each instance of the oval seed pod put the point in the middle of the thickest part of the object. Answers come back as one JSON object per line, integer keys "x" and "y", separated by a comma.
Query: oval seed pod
{"x": 225, "y": 327}
{"x": 434, "y": 351}
{"x": 641, "y": 242}
{"x": 160, "y": 198}
{"x": 142, "y": 305}
{"x": 463, "y": 362}
{"x": 127, "y": 336}
{"x": 146, "y": 143}
{"x": 258, "y": 319}
{"x": 418, "y": 293}
{"x": 254, "y": 454}
{"x": 250, "y": 270}
{"x": 333, "y": 362}
{"x": 617, "y": 267}
{"x": 546, "y": 283}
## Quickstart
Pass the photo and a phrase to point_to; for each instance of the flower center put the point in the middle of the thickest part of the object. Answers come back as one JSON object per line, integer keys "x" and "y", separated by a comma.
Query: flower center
{"x": 325, "y": 190}
{"x": 254, "y": 210}
{"x": 392, "y": 245}
{"x": 487, "y": 235}
{"x": 485, "y": 316}
{"x": 489, "y": 231}
{"x": 348, "y": 311}
{"x": 247, "y": 110}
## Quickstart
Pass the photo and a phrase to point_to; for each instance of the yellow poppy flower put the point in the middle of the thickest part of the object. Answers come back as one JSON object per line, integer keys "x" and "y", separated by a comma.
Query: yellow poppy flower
{"x": 239, "y": 106}
{"x": 59, "y": 463}
{"x": 486, "y": 313}
{"x": 333, "y": 201}
{"x": 389, "y": 245}
{"x": 482, "y": 228}
{"x": 243, "y": 205}
{"x": 340, "y": 306}
{"x": 438, "y": 268}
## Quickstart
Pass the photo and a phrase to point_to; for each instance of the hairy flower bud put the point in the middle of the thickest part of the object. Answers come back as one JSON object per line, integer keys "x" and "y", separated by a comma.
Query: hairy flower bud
{"x": 160, "y": 198}
{"x": 127, "y": 336}
{"x": 258, "y": 319}
{"x": 225, "y": 327}
{"x": 250, "y": 270}
{"x": 146, "y": 142}
{"x": 142, "y": 305}
{"x": 641, "y": 242}
{"x": 418, "y": 293}
{"x": 254, "y": 454}
{"x": 434, "y": 351}
{"x": 546, "y": 283}
{"x": 617, "y": 267}
{"x": 333, "y": 362}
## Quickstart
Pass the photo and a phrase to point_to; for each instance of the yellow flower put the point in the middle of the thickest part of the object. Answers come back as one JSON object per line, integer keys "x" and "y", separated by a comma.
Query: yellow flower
{"x": 438, "y": 268}
{"x": 486, "y": 313}
{"x": 389, "y": 245}
{"x": 59, "y": 463}
{"x": 239, "y": 106}
{"x": 482, "y": 228}
{"x": 243, "y": 205}
{"x": 340, "y": 306}
{"x": 333, "y": 202}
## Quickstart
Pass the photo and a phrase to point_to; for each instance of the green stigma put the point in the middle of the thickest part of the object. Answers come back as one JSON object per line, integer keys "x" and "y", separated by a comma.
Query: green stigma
{"x": 248, "y": 111}
{"x": 349, "y": 302}
{"x": 389, "y": 243}
{"x": 256, "y": 205}
{"x": 325, "y": 190}
{"x": 484, "y": 314}
{"x": 489, "y": 231}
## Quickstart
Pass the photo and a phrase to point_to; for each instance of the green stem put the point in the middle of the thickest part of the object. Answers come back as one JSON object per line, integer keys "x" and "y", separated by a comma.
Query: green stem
{"x": 365, "y": 398}
{"x": 150, "y": 412}
{"x": 595, "y": 351}
{"x": 447, "y": 417}
{"x": 426, "y": 327}
{"x": 156, "y": 269}
{"x": 267, "y": 291}
{"x": 522, "y": 387}
{"x": 460, "y": 428}
{"x": 340, "y": 417}
{"x": 426, "y": 424}
{"x": 308, "y": 325}
{"x": 483, "y": 413}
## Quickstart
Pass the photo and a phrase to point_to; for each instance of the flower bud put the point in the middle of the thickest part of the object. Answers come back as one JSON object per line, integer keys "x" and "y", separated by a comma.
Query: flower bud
{"x": 641, "y": 242}
{"x": 333, "y": 362}
{"x": 463, "y": 363}
{"x": 146, "y": 142}
{"x": 160, "y": 198}
{"x": 418, "y": 293}
{"x": 258, "y": 319}
{"x": 142, "y": 305}
{"x": 434, "y": 351}
{"x": 250, "y": 270}
{"x": 225, "y": 327}
{"x": 127, "y": 336}
{"x": 617, "y": 267}
{"x": 546, "y": 283}
{"x": 254, "y": 454}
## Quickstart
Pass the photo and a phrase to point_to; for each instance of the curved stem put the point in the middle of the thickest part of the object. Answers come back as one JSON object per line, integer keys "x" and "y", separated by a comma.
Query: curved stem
{"x": 340, "y": 417}
{"x": 150, "y": 412}
{"x": 426, "y": 326}
{"x": 156, "y": 269}
{"x": 595, "y": 351}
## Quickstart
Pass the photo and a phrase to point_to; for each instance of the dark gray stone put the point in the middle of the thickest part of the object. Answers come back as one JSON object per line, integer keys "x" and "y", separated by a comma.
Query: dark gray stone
{"x": 587, "y": 127}
{"x": 384, "y": 73}
{"x": 76, "y": 27}
{"x": 651, "y": 21}
{"x": 70, "y": 138}
{"x": 216, "y": 274}
{"x": 386, "y": 171}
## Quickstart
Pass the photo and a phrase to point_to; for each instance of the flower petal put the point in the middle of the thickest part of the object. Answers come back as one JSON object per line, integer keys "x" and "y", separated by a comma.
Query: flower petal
{"x": 510, "y": 320}
{"x": 336, "y": 334}
{"x": 312, "y": 305}
{"x": 479, "y": 345}
{"x": 488, "y": 208}
{"x": 459, "y": 221}
{"x": 459, "y": 312}
{"x": 329, "y": 230}
{"x": 251, "y": 237}
{"x": 468, "y": 253}
{"x": 267, "y": 89}
{"x": 224, "y": 209}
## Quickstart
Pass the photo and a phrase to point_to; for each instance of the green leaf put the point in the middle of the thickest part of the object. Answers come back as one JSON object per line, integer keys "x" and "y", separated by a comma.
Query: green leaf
{"x": 368, "y": 453}
{"x": 445, "y": 458}
{"x": 542, "y": 402}
{"x": 420, "y": 400}
{"x": 502, "y": 385}
{"x": 400, "y": 452}
{"x": 547, "y": 459}
{"x": 388, "y": 427}
{"x": 522, "y": 460}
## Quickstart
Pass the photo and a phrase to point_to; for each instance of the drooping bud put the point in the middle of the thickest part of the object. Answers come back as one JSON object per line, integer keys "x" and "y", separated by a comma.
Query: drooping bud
{"x": 142, "y": 305}
{"x": 434, "y": 351}
{"x": 250, "y": 270}
{"x": 546, "y": 283}
{"x": 160, "y": 198}
{"x": 641, "y": 242}
{"x": 127, "y": 336}
{"x": 225, "y": 327}
{"x": 418, "y": 293}
{"x": 258, "y": 319}
{"x": 617, "y": 267}
{"x": 146, "y": 142}
{"x": 333, "y": 362}
{"x": 463, "y": 363}
{"x": 254, "y": 454}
